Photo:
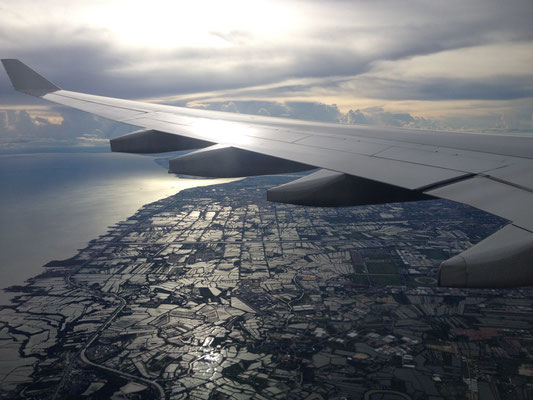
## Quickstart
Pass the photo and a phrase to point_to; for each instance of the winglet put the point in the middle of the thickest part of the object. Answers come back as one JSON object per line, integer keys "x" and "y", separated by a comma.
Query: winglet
{"x": 26, "y": 80}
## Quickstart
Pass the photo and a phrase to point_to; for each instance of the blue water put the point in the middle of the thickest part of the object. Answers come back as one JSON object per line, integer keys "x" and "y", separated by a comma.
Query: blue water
{"x": 53, "y": 204}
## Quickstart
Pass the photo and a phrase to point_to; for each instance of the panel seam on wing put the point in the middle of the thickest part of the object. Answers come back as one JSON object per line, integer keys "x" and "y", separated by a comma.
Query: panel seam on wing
{"x": 508, "y": 183}
{"x": 446, "y": 182}
{"x": 100, "y": 104}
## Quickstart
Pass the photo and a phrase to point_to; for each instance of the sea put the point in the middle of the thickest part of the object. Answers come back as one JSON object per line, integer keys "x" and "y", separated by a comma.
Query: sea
{"x": 52, "y": 204}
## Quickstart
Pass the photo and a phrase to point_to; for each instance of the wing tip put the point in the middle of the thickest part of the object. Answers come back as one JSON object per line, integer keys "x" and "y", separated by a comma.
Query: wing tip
{"x": 26, "y": 80}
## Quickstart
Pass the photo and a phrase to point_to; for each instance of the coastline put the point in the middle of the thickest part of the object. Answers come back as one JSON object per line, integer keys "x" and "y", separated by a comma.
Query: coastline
{"x": 55, "y": 203}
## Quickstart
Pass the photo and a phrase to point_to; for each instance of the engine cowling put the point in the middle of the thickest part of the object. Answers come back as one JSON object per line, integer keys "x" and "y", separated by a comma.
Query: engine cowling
{"x": 152, "y": 141}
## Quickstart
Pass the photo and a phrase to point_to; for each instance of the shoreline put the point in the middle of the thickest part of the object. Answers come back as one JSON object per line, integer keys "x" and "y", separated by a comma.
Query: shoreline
{"x": 57, "y": 202}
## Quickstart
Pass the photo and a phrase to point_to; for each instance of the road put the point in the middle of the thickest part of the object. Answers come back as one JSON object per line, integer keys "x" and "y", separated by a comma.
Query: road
{"x": 81, "y": 355}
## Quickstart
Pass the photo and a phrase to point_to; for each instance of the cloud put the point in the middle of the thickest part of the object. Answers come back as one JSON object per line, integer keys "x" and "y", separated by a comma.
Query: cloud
{"x": 515, "y": 120}
{"x": 92, "y": 140}
{"x": 19, "y": 128}
{"x": 359, "y": 34}
{"x": 301, "y": 110}
{"x": 292, "y": 53}
{"x": 494, "y": 88}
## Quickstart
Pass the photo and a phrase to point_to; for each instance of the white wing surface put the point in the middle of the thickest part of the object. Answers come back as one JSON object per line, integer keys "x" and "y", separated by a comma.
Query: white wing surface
{"x": 358, "y": 165}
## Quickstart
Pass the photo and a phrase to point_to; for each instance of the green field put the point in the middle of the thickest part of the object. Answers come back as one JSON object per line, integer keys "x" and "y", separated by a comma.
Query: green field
{"x": 381, "y": 267}
{"x": 376, "y": 254}
{"x": 360, "y": 279}
{"x": 435, "y": 254}
{"x": 382, "y": 280}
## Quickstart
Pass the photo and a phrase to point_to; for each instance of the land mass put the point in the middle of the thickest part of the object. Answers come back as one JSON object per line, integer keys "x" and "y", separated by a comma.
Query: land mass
{"x": 215, "y": 293}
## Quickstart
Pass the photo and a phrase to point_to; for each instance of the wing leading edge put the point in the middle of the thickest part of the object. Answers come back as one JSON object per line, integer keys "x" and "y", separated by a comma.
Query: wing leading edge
{"x": 357, "y": 165}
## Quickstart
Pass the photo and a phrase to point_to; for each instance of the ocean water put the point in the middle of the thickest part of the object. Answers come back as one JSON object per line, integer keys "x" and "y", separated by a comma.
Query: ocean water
{"x": 53, "y": 204}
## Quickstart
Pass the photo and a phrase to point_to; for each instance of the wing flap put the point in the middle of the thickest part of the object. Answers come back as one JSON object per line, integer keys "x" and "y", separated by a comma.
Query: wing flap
{"x": 520, "y": 174}
{"x": 492, "y": 196}
{"x": 437, "y": 157}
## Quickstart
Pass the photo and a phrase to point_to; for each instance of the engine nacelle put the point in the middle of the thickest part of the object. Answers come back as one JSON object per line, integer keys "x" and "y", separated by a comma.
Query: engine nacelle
{"x": 152, "y": 141}
{"x": 504, "y": 259}
{"x": 229, "y": 162}
{"x": 334, "y": 189}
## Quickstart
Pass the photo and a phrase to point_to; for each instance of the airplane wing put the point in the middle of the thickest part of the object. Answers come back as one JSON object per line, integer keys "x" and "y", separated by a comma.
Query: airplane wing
{"x": 357, "y": 165}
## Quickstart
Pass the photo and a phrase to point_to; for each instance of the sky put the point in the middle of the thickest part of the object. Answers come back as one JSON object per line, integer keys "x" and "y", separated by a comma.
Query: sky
{"x": 453, "y": 65}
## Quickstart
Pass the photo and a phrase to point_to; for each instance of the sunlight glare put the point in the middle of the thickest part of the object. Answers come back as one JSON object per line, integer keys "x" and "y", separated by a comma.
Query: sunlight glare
{"x": 167, "y": 24}
{"x": 223, "y": 132}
